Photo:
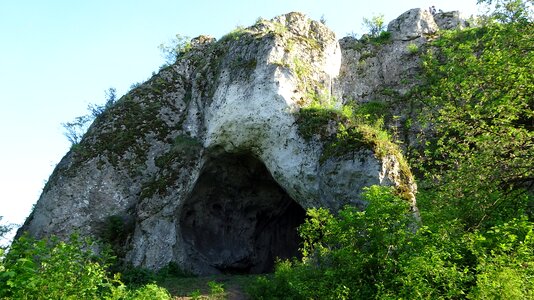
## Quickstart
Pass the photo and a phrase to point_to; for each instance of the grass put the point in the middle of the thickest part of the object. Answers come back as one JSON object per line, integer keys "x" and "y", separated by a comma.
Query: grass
{"x": 208, "y": 287}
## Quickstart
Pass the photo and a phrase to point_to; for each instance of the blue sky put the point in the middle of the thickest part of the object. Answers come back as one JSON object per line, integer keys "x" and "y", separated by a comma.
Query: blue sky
{"x": 57, "y": 56}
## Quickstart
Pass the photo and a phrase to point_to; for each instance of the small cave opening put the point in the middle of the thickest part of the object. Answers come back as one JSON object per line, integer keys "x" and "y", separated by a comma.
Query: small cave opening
{"x": 238, "y": 220}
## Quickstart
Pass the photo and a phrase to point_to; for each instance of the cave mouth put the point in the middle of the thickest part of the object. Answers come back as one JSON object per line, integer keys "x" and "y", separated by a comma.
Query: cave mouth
{"x": 238, "y": 220}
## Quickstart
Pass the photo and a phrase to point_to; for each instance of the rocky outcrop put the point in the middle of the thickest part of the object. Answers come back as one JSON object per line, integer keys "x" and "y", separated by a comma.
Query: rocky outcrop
{"x": 382, "y": 72}
{"x": 204, "y": 164}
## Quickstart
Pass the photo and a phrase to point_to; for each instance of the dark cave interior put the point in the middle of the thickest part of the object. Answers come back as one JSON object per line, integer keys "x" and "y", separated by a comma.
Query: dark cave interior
{"x": 238, "y": 220}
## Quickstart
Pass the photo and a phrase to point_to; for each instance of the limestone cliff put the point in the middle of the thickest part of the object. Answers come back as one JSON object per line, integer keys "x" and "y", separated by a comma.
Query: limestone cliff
{"x": 204, "y": 164}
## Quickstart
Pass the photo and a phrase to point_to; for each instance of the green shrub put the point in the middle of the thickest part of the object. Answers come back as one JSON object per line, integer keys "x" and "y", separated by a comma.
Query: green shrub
{"x": 216, "y": 290}
{"x": 383, "y": 38}
{"x": 150, "y": 292}
{"x": 412, "y": 48}
{"x": 55, "y": 269}
{"x": 174, "y": 49}
{"x": 478, "y": 90}
{"x": 234, "y": 35}
{"x": 375, "y": 254}
{"x": 353, "y": 255}
{"x": 505, "y": 261}
{"x": 371, "y": 111}
{"x": 374, "y": 26}
{"x": 136, "y": 276}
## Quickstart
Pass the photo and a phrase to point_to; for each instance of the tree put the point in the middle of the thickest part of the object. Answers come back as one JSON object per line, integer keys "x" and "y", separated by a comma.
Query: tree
{"x": 174, "y": 48}
{"x": 509, "y": 11}
{"x": 478, "y": 97}
{"x": 96, "y": 110}
{"x": 375, "y": 25}
{"x": 75, "y": 130}
{"x": 4, "y": 230}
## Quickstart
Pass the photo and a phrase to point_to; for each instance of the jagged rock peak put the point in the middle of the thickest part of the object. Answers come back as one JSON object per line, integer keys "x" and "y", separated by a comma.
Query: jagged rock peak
{"x": 419, "y": 22}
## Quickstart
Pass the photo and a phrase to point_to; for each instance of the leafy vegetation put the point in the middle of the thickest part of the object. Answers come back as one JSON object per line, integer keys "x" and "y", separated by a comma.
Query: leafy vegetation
{"x": 174, "y": 49}
{"x": 376, "y": 254}
{"x": 376, "y": 30}
{"x": 375, "y": 25}
{"x": 54, "y": 269}
{"x": 75, "y": 130}
{"x": 510, "y": 11}
{"x": 4, "y": 230}
{"x": 350, "y": 129}
{"x": 412, "y": 48}
{"x": 478, "y": 97}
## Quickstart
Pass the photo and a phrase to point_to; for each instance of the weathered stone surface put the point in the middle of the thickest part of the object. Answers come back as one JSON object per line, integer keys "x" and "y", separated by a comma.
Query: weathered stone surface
{"x": 206, "y": 159}
{"x": 384, "y": 72}
{"x": 450, "y": 20}
{"x": 412, "y": 24}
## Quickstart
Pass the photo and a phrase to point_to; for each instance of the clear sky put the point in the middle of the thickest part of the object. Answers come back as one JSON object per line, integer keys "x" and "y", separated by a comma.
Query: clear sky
{"x": 57, "y": 56}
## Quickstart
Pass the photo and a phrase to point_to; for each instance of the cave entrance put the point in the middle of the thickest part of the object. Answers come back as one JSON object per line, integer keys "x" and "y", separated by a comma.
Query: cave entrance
{"x": 238, "y": 220}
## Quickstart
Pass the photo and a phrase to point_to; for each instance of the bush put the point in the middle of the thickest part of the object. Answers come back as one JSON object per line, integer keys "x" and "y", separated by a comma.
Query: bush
{"x": 479, "y": 88}
{"x": 353, "y": 255}
{"x": 150, "y": 292}
{"x": 505, "y": 261}
{"x": 175, "y": 48}
{"x": 412, "y": 48}
{"x": 54, "y": 269}
{"x": 374, "y": 26}
{"x": 375, "y": 254}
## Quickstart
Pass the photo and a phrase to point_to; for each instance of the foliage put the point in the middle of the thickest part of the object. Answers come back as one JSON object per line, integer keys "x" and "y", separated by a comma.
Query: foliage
{"x": 150, "y": 292}
{"x": 51, "y": 269}
{"x": 54, "y": 269}
{"x": 4, "y": 230}
{"x": 372, "y": 111}
{"x": 412, "y": 48}
{"x": 175, "y": 48}
{"x": 234, "y": 35}
{"x": 505, "y": 256}
{"x": 375, "y": 25}
{"x": 75, "y": 130}
{"x": 510, "y": 11}
{"x": 350, "y": 129}
{"x": 351, "y": 256}
{"x": 115, "y": 231}
{"x": 382, "y": 38}
{"x": 376, "y": 254}
{"x": 216, "y": 290}
{"x": 479, "y": 93}
{"x": 138, "y": 276}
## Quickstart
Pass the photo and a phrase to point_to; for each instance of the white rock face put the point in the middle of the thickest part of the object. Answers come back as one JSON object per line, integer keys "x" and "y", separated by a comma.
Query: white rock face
{"x": 210, "y": 147}
{"x": 412, "y": 24}
{"x": 385, "y": 72}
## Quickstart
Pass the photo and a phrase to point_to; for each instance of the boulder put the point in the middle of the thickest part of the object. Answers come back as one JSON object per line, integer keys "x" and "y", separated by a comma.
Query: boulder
{"x": 412, "y": 24}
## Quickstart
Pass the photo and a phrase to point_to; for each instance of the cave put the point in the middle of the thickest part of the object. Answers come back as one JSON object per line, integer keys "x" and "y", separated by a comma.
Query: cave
{"x": 238, "y": 220}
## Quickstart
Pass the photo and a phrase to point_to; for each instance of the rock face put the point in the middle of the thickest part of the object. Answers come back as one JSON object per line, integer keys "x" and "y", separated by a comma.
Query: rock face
{"x": 384, "y": 72}
{"x": 204, "y": 164}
